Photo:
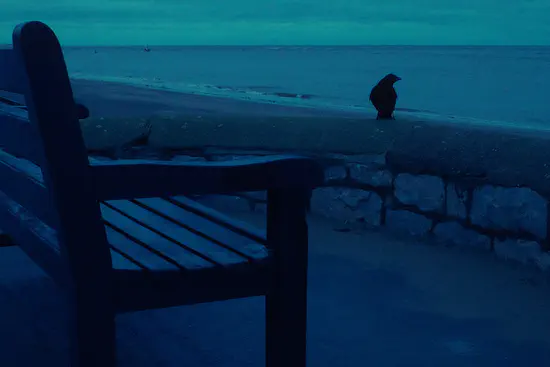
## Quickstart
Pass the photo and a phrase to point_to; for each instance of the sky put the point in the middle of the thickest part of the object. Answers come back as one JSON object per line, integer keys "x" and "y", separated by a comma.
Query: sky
{"x": 285, "y": 22}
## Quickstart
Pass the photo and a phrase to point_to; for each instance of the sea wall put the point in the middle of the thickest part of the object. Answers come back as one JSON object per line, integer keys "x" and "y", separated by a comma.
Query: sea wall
{"x": 368, "y": 191}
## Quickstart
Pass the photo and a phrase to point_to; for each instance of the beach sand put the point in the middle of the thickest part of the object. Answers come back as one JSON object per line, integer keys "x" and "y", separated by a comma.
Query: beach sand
{"x": 183, "y": 119}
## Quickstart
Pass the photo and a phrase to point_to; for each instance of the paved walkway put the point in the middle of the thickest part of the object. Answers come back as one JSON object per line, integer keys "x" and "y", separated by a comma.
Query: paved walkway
{"x": 374, "y": 301}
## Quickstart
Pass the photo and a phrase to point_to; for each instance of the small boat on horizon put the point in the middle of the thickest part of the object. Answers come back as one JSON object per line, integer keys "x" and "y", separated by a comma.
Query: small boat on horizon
{"x": 146, "y": 49}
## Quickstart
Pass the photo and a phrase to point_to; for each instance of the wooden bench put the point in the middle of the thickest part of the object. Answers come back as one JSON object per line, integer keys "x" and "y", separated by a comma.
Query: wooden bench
{"x": 120, "y": 236}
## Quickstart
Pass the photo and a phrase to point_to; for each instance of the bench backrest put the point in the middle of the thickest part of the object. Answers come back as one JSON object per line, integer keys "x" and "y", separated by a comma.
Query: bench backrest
{"x": 61, "y": 193}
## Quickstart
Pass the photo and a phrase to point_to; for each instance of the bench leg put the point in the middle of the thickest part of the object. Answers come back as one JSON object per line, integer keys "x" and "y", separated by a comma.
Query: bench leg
{"x": 92, "y": 334}
{"x": 286, "y": 299}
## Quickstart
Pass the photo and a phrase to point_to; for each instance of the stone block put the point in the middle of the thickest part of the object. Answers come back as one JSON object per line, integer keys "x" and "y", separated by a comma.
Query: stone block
{"x": 369, "y": 211}
{"x": 425, "y": 192}
{"x": 370, "y": 175}
{"x": 526, "y": 252}
{"x": 455, "y": 234}
{"x": 543, "y": 261}
{"x": 348, "y": 205}
{"x": 335, "y": 173}
{"x": 517, "y": 209}
{"x": 457, "y": 199}
{"x": 406, "y": 221}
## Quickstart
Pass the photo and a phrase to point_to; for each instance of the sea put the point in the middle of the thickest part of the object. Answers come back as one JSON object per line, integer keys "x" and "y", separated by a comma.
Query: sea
{"x": 494, "y": 83}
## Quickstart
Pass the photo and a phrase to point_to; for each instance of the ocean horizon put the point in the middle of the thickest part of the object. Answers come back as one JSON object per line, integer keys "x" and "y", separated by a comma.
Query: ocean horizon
{"x": 496, "y": 83}
{"x": 134, "y": 45}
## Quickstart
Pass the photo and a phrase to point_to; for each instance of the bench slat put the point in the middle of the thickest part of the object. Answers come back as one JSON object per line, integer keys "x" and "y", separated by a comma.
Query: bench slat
{"x": 138, "y": 253}
{"x": 13, "y": 99}
{"x": 22, "y": 181}
{"x": 11, "y": 74}
{"x": 234, "y": 225}
{"x": 178, "y": 234}
{"x": 15, "y": 129}
{"x": 122, "y": 263}
{"x": 168, "y": 249}
{"x": 244, "y": 246}
{"x": 35, "y": 238}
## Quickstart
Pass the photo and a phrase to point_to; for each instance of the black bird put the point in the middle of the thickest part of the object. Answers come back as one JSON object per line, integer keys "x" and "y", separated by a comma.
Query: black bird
{"x": 384, "y": 97}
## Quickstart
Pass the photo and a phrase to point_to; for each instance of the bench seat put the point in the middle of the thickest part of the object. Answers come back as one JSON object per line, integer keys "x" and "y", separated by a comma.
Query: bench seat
{"x": 162, "y": 246}
{"x": 159, "y": 247}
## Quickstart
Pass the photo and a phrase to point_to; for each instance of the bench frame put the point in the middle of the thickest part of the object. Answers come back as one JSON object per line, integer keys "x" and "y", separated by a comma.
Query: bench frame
{"x": 52, "y": 212}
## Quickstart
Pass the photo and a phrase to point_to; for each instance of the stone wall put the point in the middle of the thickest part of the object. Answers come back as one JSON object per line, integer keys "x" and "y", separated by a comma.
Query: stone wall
{"x": 367, "y": 191}
{"x": 510, "y": 221}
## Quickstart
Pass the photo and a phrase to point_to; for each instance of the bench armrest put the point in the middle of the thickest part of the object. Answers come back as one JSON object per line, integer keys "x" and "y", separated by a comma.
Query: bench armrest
{"x": 128, "y": 179}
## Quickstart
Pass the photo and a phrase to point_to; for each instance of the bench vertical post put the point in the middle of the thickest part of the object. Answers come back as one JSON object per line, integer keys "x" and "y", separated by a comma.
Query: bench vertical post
{"x": 67, "y": 175}
{"x": 286, "y": 299}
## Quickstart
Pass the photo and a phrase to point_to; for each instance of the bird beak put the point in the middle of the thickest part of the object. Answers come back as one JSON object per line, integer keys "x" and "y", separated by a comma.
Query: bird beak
{"x": 398, "y": 78}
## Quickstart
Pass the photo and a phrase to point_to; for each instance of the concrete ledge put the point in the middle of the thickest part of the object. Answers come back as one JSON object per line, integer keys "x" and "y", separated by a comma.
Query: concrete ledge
{"x": 469, "y": 153}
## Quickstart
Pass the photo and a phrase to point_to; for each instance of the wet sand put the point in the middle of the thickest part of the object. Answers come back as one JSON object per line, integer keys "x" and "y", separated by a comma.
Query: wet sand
{"x": 183, "y": 120}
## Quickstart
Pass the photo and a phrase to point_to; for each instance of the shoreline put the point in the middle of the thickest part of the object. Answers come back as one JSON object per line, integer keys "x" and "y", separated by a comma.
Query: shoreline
{"x": 290, "y": 106}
